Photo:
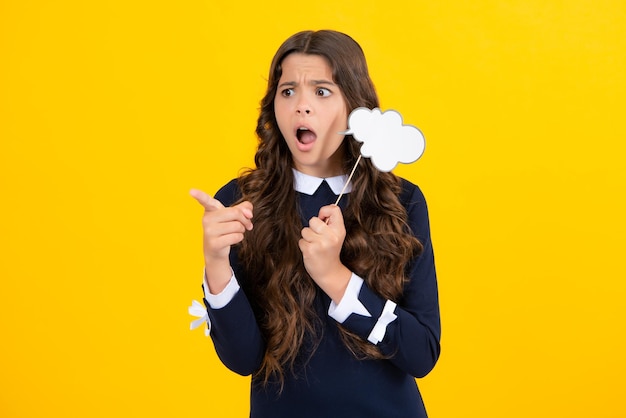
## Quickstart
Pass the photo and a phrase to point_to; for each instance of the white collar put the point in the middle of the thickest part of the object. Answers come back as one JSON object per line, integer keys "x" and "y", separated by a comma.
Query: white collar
{"x": 307, "y": 184}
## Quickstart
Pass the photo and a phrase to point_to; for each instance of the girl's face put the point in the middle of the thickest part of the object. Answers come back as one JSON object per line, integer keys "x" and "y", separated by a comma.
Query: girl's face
{"x": 311, "y": 111}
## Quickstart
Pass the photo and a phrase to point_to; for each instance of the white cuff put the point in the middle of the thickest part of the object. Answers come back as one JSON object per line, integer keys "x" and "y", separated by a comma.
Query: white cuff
{"x": 224, "y": 297}
{"x": 349, "y": 303}
{"x": 198, "y": 310}
{"x": 386, "y": 317}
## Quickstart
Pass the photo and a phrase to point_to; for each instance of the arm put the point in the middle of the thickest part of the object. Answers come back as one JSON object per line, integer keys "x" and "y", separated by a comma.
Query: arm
{"x": 234, "y": 329}
{"x": 235, "y": 333}
{"x": 412, "y": 338}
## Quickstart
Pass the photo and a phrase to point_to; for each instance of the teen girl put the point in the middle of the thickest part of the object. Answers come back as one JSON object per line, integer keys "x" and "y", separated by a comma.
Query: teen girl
{"x": 332, "y": 309}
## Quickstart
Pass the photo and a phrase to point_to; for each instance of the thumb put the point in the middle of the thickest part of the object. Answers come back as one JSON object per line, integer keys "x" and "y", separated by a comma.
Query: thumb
{"x": 331, "y": 215}
{"x": 205, "y": 200}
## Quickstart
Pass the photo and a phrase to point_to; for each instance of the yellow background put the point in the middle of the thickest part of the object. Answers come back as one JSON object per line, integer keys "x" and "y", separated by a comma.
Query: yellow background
{"x": 110, "y": 111}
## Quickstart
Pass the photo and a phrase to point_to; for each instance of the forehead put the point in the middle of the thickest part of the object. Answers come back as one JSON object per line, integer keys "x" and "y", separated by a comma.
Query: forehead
{"x": 298, "y": 64}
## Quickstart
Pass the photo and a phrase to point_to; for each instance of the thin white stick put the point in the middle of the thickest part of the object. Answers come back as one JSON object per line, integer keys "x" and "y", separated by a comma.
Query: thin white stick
{"x": 349, "y": 178}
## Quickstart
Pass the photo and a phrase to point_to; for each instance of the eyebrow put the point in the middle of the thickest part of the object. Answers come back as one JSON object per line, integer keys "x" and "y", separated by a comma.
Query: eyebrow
{"x": 311, "y": 82}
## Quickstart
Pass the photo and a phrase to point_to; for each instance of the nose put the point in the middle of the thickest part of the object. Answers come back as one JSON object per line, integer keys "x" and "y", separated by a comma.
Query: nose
{"x": 303, "y": 107}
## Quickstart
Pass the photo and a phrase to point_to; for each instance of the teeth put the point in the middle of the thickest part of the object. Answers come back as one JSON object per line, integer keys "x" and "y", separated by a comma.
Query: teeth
{"x": 302, "y": 129}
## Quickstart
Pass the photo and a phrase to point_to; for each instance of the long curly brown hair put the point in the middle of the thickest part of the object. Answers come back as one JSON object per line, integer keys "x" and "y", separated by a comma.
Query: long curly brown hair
{"x": 378, "y": 244}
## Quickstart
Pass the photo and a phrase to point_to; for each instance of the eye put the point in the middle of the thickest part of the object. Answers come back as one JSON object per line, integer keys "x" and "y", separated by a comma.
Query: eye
{"x": 287, "y": 92}
{"x": 323, "y": 92}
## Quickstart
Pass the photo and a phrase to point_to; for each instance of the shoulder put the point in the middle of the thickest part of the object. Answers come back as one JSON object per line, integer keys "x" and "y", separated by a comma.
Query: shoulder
{"x": 411, "y": 194}
{"x": 229, "y": 193}
{"x": 413, "y": 200}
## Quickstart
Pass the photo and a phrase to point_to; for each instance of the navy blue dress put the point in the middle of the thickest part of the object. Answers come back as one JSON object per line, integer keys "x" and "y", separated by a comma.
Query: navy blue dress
{"x": 333, "y": 383}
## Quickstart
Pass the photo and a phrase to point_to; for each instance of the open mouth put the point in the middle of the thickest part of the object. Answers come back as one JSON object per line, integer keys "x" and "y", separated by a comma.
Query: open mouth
{"x": 305, "y": 135}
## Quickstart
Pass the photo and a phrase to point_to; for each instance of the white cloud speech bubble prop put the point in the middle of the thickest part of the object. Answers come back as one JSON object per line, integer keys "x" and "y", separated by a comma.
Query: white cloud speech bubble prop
{"x": 386, "y": 141}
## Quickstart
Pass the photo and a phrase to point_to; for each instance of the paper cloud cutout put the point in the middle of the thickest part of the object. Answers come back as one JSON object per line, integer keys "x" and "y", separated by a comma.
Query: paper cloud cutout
{"x": 386, "y": 141}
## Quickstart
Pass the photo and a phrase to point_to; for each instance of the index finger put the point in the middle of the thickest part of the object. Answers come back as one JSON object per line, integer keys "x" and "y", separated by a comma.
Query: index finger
{"x": 205, "y": 200}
